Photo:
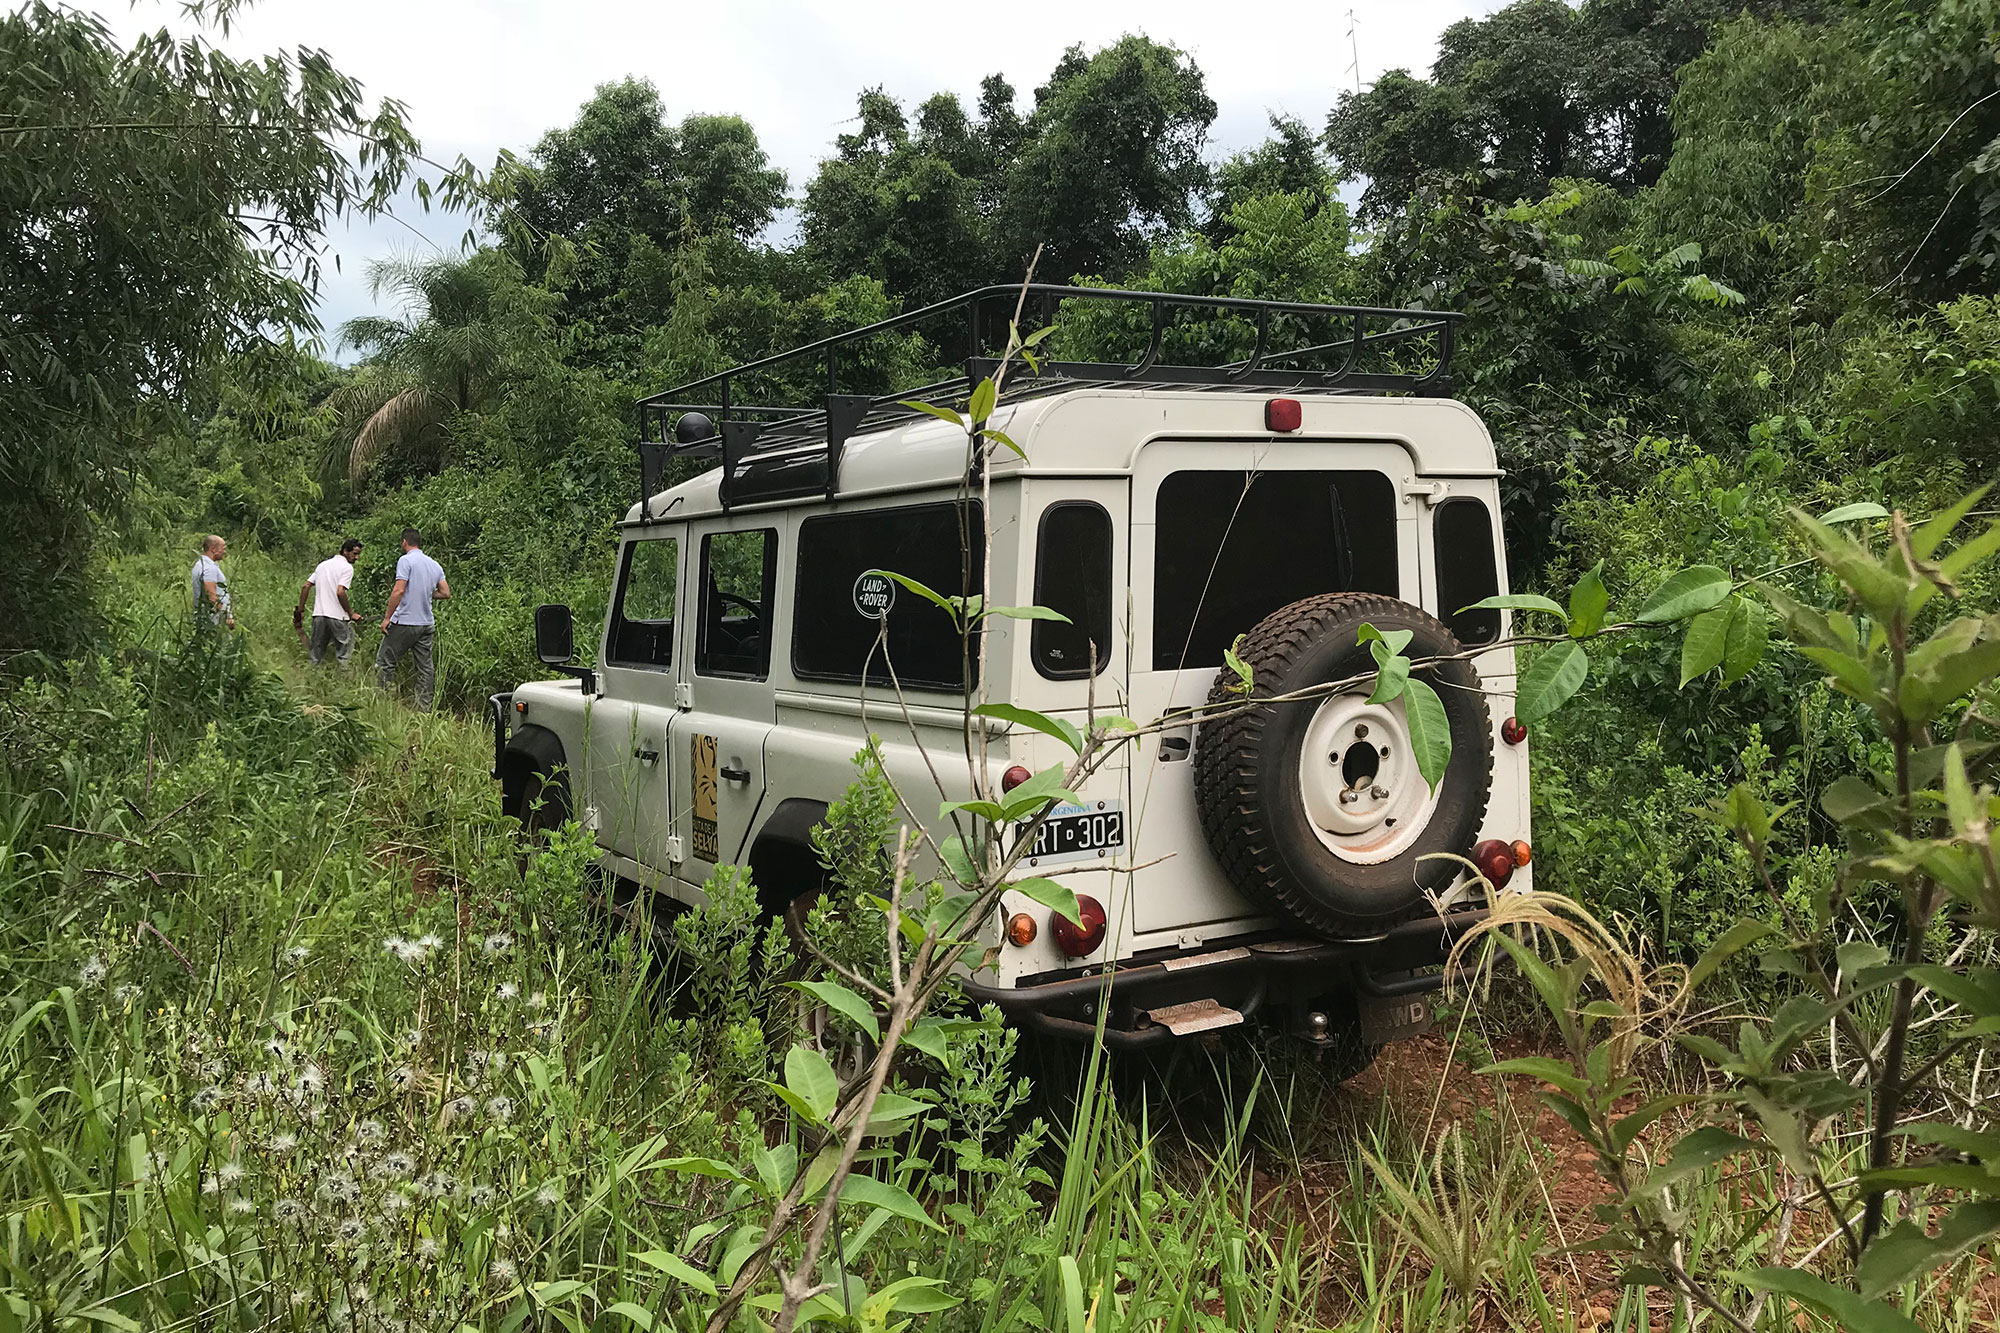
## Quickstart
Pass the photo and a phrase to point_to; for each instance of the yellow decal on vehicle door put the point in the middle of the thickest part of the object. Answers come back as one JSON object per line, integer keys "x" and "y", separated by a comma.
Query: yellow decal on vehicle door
{"x": 705, "y": 840}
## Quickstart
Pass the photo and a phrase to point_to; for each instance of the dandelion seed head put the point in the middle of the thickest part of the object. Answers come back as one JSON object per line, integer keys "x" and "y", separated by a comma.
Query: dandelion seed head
{"x": 275, "y": 1048}
{"x": 281, "y": 1144}
{"x": 370, "y": 1132}
{"x": 230, "y": 1173}
{"x": 412, "y": 1039}
{"x": 395, "y": 944}
{"x": 309, "y": 1080}
{"x": 501, "y": 1271}
{"x": 395, "y": 1165}
{"x": 458, "y": 1108}
{"x": 350, "y": 1229}
{"x": 428, "y": 943}
{"x": 402, "y": 1078}
{"x": 537, "y": 1000}
{"x": 242, "y": 1206}
{"x": 289, "y": 1211}
{"x": 482, "y": 1196}
{"x": 548, "y": 1196}
{"x": 260, "y": 1085}
{"x": 299, "y": 1299}
{"x": 93, "y": 971}
{"x": 427, "y": 1247}
{"x": 440, "y": 1185}
{"x": 127, "y": 994}
{"x": 497, "y": 943}
{"x": 507, "y": 991}
{"x": 297, "y": 954}
{"x": 207, "y": 1099}
{"x": 215, "y": 1071}
{"x": 209, "y": 1183}
{"x": 500, "y": 1109}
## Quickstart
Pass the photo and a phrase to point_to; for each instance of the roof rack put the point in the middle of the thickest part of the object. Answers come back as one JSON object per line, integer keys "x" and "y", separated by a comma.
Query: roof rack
{"x": 791, "y": 447}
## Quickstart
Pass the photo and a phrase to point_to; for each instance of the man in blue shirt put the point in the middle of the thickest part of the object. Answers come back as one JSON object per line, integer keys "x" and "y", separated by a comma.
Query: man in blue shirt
{"x": 408, "y": 625}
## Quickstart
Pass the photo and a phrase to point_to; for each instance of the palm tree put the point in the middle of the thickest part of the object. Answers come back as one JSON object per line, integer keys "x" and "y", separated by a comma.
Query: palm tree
{"x": 437, "y": 362}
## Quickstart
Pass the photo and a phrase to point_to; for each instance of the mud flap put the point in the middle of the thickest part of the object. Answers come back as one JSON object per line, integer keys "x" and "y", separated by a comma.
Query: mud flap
{"x": 1387, "y": 1018}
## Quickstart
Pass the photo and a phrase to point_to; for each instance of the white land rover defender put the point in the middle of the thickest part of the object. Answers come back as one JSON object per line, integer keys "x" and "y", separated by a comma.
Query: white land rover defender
{"x": 1279, "y": 864}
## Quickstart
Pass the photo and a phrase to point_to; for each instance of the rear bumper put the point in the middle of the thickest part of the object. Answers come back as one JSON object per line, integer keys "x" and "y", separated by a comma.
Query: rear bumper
{"x": 1246, "y": 977}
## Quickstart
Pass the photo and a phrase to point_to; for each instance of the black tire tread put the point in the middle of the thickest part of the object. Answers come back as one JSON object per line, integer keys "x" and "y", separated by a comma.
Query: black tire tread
{"x": 1225, "y": 762}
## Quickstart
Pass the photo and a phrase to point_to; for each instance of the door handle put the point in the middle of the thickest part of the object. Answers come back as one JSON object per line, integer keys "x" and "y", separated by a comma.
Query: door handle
{"x": 734, "y": 774}
{"x": 646, "y": 756}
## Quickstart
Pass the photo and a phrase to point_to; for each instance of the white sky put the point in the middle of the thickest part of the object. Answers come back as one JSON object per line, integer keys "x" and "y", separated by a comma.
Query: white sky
{"x": 481, "y": 75}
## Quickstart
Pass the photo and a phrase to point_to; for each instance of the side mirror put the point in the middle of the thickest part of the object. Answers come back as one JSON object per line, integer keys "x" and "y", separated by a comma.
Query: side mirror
{"x": 555, "y": 634}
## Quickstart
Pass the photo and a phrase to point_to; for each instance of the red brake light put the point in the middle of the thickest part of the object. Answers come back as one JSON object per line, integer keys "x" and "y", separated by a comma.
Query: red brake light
{"x": 1014, "y": 777}
{"x": 1495, "y": 860}
{"x": 1079, "y": 938}
{"x": 1283, "y": 414}
{"x": 1513, "y": 731}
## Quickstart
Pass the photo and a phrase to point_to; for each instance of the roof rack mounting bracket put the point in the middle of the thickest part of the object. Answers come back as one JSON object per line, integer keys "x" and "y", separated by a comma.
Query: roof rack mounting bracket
{"x": 844, "y": 414}
{"x": 737, "y": 437}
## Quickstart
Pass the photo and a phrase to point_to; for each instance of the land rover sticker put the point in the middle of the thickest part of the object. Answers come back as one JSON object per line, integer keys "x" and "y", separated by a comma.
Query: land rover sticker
{"x": 705, "y": 839}
{"x": 874, "y": 594}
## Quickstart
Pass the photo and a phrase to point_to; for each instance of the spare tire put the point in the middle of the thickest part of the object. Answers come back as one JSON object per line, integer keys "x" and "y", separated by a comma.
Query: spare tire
{"x": 1315, "y": 806}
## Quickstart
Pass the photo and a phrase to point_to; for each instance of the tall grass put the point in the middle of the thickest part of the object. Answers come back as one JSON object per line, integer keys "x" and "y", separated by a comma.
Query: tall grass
{"x": 297, "y": 1032}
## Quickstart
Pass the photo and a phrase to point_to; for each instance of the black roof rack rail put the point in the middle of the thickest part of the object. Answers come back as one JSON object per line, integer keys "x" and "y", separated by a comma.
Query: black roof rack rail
{"x": 748, "y": 436}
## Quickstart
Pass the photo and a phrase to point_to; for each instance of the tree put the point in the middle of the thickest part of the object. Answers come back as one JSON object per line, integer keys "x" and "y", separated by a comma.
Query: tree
{"x": 442, "y": 360}
{"x": 620, "y": 177}
{"x": 164, "y": 206}
{"x": 1110, "y": 159}
{"x": 1289, "y": 162}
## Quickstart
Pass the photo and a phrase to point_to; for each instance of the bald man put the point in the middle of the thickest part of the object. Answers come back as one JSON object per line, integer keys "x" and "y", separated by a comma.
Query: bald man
{"x": 211, "y": 589}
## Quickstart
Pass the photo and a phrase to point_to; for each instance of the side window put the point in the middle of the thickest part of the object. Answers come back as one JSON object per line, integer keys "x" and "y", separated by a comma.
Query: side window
{"x": 737, "y": 577}
{"x": 1232, "y": 547}
{"x": 834, "y": 639}
{"x": 1462, "y": 545}
{"x": 642, "y": 623}
{"x": 1073, "y": 577}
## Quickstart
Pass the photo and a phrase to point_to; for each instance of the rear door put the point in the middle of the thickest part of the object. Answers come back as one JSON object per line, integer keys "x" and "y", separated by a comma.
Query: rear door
{"x": 631, "y": 788}
{"x": 715, "y": 755}
{"x": 1224, "y": 534}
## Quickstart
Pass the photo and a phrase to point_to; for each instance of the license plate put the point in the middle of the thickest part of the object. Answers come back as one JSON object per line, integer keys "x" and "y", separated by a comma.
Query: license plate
{"x": 1091, "y": 831}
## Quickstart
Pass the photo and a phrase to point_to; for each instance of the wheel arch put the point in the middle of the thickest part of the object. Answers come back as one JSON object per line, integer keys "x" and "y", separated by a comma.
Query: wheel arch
{"x": 783, "y": 864}
{"x": 531, "y": 750}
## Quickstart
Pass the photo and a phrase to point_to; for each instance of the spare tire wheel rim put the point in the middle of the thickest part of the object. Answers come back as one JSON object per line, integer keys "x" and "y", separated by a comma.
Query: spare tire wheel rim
{"x": 1358, "y": 777}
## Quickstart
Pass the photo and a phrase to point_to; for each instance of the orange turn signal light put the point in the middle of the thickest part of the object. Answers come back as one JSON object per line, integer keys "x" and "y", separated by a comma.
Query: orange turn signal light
{"x": 1523, "y": 853}
{"x": 1021, "y": 929}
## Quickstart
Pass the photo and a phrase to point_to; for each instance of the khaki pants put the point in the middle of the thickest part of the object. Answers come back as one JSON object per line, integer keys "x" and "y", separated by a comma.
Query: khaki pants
{"x": 336, "y": 632}
{"x": 414, "y": 640}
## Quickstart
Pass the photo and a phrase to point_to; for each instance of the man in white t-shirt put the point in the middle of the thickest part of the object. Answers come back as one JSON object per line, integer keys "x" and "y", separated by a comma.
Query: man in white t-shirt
{"x": 211, "y": 588}
{"x": 333, "y": 615}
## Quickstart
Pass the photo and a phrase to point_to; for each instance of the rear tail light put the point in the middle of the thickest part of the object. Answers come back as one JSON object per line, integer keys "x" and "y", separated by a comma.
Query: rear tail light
{"x": 1513, "y": 731}
{"x": 1283, "y": 414}
{"x": 1523, "y": 853}
{"x": 1014, "y": 777}
{"x": 1495, "y": 860}
{"x": 1021, "y": 929}
{"x": 1079, "y": 938}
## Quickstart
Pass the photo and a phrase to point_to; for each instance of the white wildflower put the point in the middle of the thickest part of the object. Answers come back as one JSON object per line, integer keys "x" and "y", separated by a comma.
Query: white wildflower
{"x": 412, "y": 1039}
{"x": 209, "y": 1183}
{"x": 395, "y": 945}
{"x": 275, "y": 1048}
{"x": 430, "y": 943}
{"x": 301, "y": 1298}
{"x": 402, "y": 1078}
{"x": 297, "y": 954}
{"x": 215, "y": 1071}
{"x": 482, "y": 1196}
{"x": 281, "y": 1144}
{"x": 260, "y": 1085}
{"x": 538, "y": 1000}
{"x": 395, "y": 1166}
{"x": 349, "y": 1230}
{"x": 506, "y": 991}
{"x": 497, "y": 943}
{"x": 230, "y": 1173}
{"x": 427, "y": 1247}
{"x": 309, "y": 1081}
{"x": 500, "y": 1108}
{"x": 370, "y": 1132}
{"x": 242, "y": 1206}
{"x": 548, "y": 1196}
{"x": 127, "y": 994}
{"x": 93, "y": 971}
{"x": 207, "y": 1099}
{"x": 502, "y": 1272}
{"x": 459, "y": 1108}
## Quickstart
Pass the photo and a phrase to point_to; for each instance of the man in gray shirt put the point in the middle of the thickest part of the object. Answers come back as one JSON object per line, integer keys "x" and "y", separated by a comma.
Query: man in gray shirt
{"x": 408, "y": 625}
{"x": 211, "y": 589}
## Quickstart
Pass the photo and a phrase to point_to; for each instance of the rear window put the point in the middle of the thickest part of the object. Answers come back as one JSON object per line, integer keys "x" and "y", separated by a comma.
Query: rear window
{"x": 1462, "y": 545}
{"x": 642, "y": 625}
{"x": 1232, "y": 547}
{"x": 834, "y": 639}
{"x": 1073, "y": 577}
